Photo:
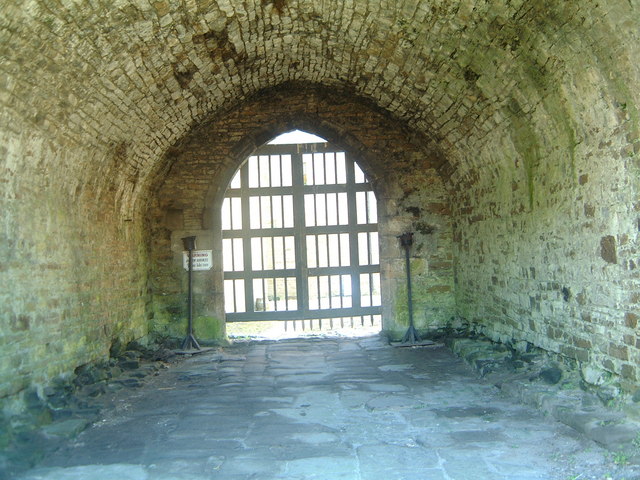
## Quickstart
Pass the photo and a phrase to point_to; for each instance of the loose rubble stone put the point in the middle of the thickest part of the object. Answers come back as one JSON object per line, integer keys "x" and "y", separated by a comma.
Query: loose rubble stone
{"x": 588, "y": 412}
{"x": 129, "y": 364}
{"x": 66, "y": 428}
{"x": 66, "y": 408}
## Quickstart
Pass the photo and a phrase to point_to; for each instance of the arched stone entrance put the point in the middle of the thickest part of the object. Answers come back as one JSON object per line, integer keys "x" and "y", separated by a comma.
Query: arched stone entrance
{"x": 190, "y": 197}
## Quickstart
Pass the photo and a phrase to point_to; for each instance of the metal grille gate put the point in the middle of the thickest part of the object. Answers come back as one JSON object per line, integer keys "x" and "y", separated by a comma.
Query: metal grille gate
{"x": 300, "y": 240}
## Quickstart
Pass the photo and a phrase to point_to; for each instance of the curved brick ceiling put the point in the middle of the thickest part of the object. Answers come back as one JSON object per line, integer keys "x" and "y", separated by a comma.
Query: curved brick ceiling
{"x": 128, "y": 79}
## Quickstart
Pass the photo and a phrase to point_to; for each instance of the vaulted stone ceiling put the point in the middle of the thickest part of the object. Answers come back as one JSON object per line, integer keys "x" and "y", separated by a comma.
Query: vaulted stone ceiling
{"x": 122, "y": 81}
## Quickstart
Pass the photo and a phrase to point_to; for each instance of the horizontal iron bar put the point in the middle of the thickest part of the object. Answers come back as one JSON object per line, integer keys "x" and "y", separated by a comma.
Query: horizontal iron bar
{"x": 256, "y": 233}
{"x": 306, "y": 189}
{"x": 353, "y": 228}
{"x": 345, "y": 270}
{"x": 252, "y": 274}
{"x": 300, "y": 148}
{"x": 291, "y": 272}
{"x": 297, "y": 315}
{"x": 289, "y": 232}
{"x": 258, "y": 191}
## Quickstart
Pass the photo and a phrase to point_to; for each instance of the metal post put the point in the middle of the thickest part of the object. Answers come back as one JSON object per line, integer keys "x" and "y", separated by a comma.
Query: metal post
{"x": 190, "y": 341}
{"x": 411, "y": 337}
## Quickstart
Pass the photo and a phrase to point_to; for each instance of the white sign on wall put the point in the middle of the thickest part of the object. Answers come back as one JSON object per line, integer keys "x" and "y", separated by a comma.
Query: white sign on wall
{"x": 202, "y": 259}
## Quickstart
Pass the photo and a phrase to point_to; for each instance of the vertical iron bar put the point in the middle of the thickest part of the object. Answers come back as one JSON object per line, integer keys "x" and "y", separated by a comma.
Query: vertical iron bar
{"x": 273, "y": 223}
{"x": 366, "y": 208}
{"x": 299, "y": 225}
{"x": 235, "y": 296}
{"x": 353, "y": 234}
{"x": 324, "y": 167}
{"x": 273, "y": 252}
{"x": 275, "y": 293}
{"x": 371, "y": 289}
{"x": 286, "y": 291}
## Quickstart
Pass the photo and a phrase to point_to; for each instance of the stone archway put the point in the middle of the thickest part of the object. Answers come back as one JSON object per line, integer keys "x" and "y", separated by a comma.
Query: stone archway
{"x": 384, "y": 149}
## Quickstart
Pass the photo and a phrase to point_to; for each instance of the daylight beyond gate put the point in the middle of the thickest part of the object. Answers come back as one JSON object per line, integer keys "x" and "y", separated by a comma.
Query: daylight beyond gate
{"x": 300, "y": 239}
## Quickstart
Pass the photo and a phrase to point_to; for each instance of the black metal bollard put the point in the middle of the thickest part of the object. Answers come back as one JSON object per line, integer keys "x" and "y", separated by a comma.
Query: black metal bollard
{"x": 411, "y": 337}
{"x": 190, "y": 341}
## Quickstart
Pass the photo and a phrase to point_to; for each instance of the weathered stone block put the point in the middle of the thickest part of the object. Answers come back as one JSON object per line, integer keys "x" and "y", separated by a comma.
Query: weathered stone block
{"x": 608, "y": 250}
{"x": 628, "y": 372}
{"x": 620, "y": 352}
{"x": 129, "y": 364}
{"x": 593, "y": 375}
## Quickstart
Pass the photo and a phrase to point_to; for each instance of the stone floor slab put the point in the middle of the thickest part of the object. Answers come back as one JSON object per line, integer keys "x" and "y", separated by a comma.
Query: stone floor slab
{"x": 336, "y": 408}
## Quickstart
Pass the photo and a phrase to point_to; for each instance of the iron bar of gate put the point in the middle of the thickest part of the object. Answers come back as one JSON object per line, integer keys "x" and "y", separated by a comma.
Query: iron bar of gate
{"x": 411, "y": 337}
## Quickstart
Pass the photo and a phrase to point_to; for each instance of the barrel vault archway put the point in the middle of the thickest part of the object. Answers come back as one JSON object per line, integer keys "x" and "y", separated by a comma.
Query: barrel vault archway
{"x": 505, "y": 134}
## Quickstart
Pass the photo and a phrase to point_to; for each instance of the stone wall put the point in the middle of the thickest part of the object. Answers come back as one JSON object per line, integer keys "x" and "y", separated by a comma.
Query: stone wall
{"x": 72, "y": 269}
{"x": 401, "y": 165}
{"x": 546, "y": 235}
